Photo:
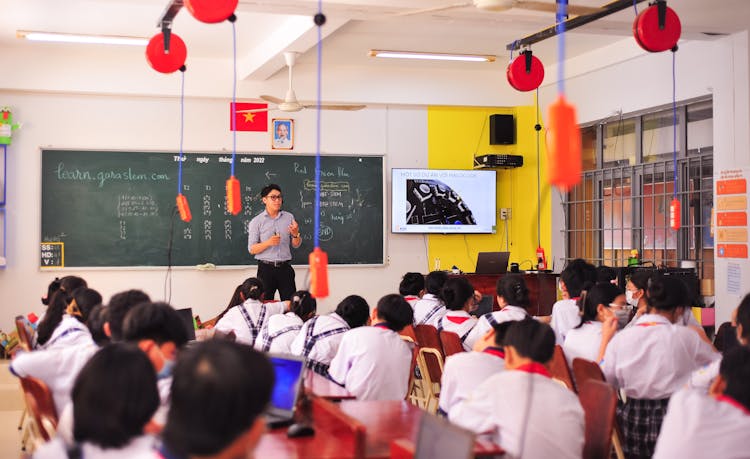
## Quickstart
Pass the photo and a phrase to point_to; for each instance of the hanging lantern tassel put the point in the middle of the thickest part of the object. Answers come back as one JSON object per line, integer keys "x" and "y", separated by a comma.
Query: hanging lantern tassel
{"x": 563, "y": 145}
{"x": 674, "y": 214}
{"x": 184, "y": 208}
{"x": 234, "y": 200}
{"x": 318, "y": 273}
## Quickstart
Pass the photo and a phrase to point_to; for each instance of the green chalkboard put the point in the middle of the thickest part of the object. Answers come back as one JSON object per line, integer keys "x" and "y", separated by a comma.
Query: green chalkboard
{"x": 115, "y": 208}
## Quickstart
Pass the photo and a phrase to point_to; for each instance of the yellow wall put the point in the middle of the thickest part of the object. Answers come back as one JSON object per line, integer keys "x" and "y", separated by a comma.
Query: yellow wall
{"x": 455, "y": 136}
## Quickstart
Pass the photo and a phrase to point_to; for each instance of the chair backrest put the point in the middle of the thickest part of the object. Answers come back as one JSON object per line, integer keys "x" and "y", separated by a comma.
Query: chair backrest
{"x": 329, "y": 416}
{"x": 41, "y": 406}
{"x": 408, "y": 332}
{"x": 559, "y": 368}
{"x": 451, "y": 343}
{"x": 24, "y": 334}
{"x": 584, "y": 370}
{"x": 427, "y": 336}
{"x": 599, "y": 402}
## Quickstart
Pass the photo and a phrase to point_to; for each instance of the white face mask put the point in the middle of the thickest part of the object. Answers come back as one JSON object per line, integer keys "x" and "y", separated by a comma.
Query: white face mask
{"x": 630, "y": 299}
{"x": 623, "y": 317}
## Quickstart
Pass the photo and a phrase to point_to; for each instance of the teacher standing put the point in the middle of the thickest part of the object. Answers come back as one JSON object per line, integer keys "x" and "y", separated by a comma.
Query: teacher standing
{"x": 271, "y": 234}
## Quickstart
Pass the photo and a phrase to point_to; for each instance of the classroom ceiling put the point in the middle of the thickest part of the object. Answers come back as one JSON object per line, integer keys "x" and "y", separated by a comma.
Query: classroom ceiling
{"x": 267, "y": 28}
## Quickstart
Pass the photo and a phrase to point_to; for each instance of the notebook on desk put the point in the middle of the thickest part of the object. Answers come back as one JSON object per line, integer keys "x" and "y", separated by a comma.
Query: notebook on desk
{"x": 439, "y": 439}
{"x": 492, "y": 262}
{"x": 288, "y": 375}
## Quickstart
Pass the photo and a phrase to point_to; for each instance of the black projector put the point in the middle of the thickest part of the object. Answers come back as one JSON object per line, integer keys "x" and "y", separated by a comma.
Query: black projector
{"x": 498, "y": 161}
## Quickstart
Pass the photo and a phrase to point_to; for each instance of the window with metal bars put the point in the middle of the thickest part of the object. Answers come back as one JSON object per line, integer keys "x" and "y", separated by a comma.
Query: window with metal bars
{"x": 622, "y": 202}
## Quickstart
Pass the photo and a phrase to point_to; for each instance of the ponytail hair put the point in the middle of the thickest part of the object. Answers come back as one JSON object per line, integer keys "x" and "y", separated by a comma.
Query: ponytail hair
{"x": 57, "y": 305}
{"x": 85, "y": 300}
{"x": 512, "y": 288}
{"x": 602, "y": 293}
{"x": 252, "y": 289}
{"x": 303, "y": 304}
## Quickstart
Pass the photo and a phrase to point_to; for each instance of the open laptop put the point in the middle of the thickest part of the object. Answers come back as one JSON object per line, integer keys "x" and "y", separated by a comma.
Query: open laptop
{"x": 484, "y": 306}
{"x": 439, "y": 439}
{"x": 492, "y": 262}
{"x": 288, "y": 372}
{"x": 186, "y": 315}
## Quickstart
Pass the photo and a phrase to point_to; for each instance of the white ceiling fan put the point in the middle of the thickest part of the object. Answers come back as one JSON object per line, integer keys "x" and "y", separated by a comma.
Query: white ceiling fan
{"x": 290, "y": 103}
{"x": 502, "y": 5}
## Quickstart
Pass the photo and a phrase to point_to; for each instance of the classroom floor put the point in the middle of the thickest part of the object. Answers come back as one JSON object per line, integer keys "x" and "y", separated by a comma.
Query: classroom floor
{"x": 11, "y": 407}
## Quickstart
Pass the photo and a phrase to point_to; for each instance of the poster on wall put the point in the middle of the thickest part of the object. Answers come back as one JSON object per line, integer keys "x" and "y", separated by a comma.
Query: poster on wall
{"x": 730, "y": 230}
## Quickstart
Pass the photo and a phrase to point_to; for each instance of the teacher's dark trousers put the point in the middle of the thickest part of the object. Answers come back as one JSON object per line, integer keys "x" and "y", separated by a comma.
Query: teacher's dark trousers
{"x": 277, "y": 276}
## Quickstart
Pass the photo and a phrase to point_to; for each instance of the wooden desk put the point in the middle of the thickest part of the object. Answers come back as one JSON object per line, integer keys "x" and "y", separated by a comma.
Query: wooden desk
{"x": 542, "y": 289}
{"x": 385, "y": 421}
{"x": 322, "y": 387}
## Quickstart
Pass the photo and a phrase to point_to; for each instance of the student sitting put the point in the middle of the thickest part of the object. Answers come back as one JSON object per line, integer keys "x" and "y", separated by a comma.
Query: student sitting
{"x": 650, "y": 361}
{"x": 318, "y": 339}
{"x": 95, "y": 323}
{"x": 515, "y": 407}
{"x": 119, "y": 306}
{"x": 219, "y": 393}
{"x": 71, "y": 328}
{"x": 459, "y": 297}
{"x": 373, "y": 363}
{"x": 49, "y": 329}
{"x": 281, "y": 329}
{"x": 600, "y": 306}
{"x": 513, "y": 299}
{"x": 114, "y": 396}
{"x": 577, "y": 276}
{"x": 430, "y": 308}
{"x": 698, "y": 425}
{"x": 412, "y": 288}
{"x": 635, "y": 292}
{"x": 247, "y": 319}
{"x": 465, "y": 371}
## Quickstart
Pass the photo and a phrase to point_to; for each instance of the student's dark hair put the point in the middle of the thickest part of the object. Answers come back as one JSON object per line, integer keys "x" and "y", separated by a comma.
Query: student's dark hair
{"x": 232, "y": 385}
{"x": 252, "y": 289}
{"x": 354, "y": 310}
{"x": 237, "y": 298}
{"x": 531, "y": 339}
{"x": 155, "y": 321}
{"x": 95, "y": 324}
{"x": 456, "y": 292}
{"x": 411, "y": 284}
{"x": 666, "y": 293}
{"x": 501, "y": 330}
{"x": 602, "y": 293}
{"x": 114, "y": 396}
{"x": 513, "y": 289}
{"x": 640, "y": 279}
{"x": 86, "y": 298}
{"x": 743, "y": 316}
{"x": 435, "y": 281}
{"x": 303, "y": 304}
{"x": 56, "y": 308}
{"x": 575, "y": 276}
{"x": 735, "y": 369}
{"x": 396, "y": 312}
{"x": 605, "y": 274}
{"x": 51, "y": 289}
{"x": 118, "y": 308}
{"x": 268, "y": 188}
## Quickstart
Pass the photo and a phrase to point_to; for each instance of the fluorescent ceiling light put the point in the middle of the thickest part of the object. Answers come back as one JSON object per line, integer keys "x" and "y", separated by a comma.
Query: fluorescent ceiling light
{"x": 432, "y": 56}
{"x": 78, "y": 38}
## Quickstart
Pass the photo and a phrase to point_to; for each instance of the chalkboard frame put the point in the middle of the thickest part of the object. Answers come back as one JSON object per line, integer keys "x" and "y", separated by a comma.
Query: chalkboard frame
{"x": 382, "y": 249}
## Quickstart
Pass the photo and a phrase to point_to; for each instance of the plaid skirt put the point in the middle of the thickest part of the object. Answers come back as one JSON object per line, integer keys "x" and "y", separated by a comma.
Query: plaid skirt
{"x": 640, "y": 421}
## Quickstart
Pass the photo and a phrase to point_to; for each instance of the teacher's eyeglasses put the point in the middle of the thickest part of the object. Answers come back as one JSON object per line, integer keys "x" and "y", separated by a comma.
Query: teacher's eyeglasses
{"x": 274, "y": 197}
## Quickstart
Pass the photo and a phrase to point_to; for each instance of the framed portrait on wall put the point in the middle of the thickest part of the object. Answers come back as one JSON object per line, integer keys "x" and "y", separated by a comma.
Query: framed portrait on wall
{"x": 282, "y": 136}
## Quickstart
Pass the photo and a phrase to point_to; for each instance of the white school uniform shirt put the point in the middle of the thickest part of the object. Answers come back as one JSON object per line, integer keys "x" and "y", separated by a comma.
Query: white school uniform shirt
{"x": 464, "y": 371}
{"x": 699, "y": 426}
{"x": 654, "y": 358}
{"x": 583, "y": 342}
{"x": 498, "y": 407}
{"x": 702, "y": 378}
{"x": 461, "y": 323}
{"x": 373, "y": 363}
{"x": 428, "y": 310}
{"x": 565, "y": 316}
{"x": 325, "y": 348}
{"x": 686, "y": 319}
{"x": 506, "y": 314}
{"x": 69, "y": 332}
{"x": 56, "y": 367}
{"x": 141, "y": 447}
{"x": 281, "y": 329}
{"x": 235, "y": 321}
{"x": 412, "y": 300}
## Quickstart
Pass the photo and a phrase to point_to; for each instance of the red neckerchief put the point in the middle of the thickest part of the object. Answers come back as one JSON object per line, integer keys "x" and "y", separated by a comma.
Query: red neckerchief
{"x": 457, "y": 320}
{"x": 734, "y": 403}
{"x": 496, "y": 351}
{"x": 649, "y": 324}
{"x": 535, "y": 368}
{"x": 411, "y": 297}
{"x": 382, "y": 325}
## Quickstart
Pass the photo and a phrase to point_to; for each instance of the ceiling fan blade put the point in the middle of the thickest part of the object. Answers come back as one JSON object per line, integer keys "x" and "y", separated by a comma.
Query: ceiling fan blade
{"x": 336, "y": 107}
{"x": 272, "y": 99}
{"x": 256, "y": 110}
{"x": 434, "y": 9}
{"x": 552, "y": 7}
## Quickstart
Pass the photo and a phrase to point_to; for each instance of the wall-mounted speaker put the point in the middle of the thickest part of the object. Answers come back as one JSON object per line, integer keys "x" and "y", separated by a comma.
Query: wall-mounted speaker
{"x": 502, "y": 130}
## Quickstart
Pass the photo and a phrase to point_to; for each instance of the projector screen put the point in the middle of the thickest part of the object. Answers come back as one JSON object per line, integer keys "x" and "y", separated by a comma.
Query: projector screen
{"x": 443, "y": 201}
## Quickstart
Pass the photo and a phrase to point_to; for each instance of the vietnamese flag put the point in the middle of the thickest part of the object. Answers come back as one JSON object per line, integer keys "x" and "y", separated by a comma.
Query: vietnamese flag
{"x": 257, "y": 121}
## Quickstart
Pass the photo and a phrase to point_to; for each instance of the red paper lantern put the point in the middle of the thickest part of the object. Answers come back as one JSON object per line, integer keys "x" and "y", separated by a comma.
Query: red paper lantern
{"x": 318, "y": 260}
{"x": 526, "y": 72}
{"x": 657, "y": 28}
{"x": 211, "y": 11}
{"x": 675, "y": 214}
{"x": 234, "y": 199}
{"x": 563, "y": 145}
{"x": 162, "y": 61}
{"x": 184, "y": 208}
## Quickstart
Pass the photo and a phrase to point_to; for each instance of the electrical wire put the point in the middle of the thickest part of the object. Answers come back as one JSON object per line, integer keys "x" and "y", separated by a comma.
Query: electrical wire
{"x": 182, "y": 132}
{"x": 674, "y": 122}
{"x": 562, "y": 13}
{"x": 234, "y": 96}
{"x": 316, "y": 230}
{"x": 538, "y": 128}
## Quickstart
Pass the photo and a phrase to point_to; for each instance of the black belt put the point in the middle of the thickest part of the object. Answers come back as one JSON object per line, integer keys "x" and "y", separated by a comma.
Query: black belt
{"x": 275, "y": 264}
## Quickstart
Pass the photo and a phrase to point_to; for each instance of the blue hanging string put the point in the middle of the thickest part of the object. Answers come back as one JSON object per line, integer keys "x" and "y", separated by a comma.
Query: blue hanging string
{"x": 182, "y": 132}
{"x": 234, "y": 96}
{"x": 674, "y": 123}
{"x": 562, "y": 12}
{"x": 316, "y": 230}
{"x": 635, "y": 7}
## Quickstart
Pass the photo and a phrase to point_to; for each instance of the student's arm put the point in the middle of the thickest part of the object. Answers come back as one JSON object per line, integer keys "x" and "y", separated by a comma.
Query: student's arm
{"x": 341, "y": 363}
{"x": 607, "y": 365}
{"x": 475, "y": 412}
{"x": 609, "y": 328}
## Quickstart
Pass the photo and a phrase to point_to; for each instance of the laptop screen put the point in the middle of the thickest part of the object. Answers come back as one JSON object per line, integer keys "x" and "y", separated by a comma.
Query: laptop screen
{"x": 186, "y": 315}
{"x": 288, "y": 378}
{"x": 492, "y": 262}
{"x": 439, "y": 439}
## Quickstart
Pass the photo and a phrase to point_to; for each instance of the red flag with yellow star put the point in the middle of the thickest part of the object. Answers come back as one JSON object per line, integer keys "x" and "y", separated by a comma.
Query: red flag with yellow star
{"x": 257, "y": 121}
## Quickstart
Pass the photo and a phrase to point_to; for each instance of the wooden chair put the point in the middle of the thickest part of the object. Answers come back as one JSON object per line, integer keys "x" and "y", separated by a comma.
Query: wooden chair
{"x": 41, "y": 410}
{"x": 599, "y": 402}
{"x": 428, "y": 336}
{"x": 559, "y": 369}
{"x": 451, "y": 343}
{"x": 329, "y": 416}
{"x": 430, "y": 360}
{"x": 24, "y": 333}
{"x": 408, "y": 332}
{"x": 24, "y": 343}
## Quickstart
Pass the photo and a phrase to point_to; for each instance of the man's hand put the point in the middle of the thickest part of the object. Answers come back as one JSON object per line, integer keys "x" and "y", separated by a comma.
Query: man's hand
{"x": 294, "y": 228}
{"x": 273, "y": 240}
